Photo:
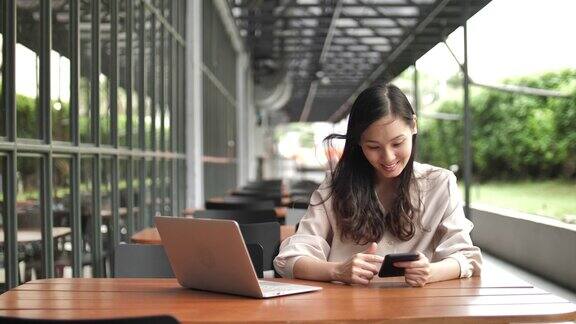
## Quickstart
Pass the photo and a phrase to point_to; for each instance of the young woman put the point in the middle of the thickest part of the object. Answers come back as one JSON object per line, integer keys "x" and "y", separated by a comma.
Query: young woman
{"x": 379, "y": 201}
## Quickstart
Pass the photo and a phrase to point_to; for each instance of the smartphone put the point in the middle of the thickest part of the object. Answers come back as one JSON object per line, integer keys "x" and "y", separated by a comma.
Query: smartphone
{"x": 389, "y": 270}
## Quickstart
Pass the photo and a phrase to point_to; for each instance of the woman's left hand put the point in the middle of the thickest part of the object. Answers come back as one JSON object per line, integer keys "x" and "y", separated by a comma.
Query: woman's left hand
{"x": 417, "y": 273}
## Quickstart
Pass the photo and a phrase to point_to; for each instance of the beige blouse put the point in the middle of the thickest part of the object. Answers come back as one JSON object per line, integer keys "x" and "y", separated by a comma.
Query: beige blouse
{"x": 449, "y": 236}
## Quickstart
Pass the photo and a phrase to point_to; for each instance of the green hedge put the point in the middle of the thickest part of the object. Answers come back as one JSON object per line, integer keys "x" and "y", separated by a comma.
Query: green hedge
{"x": 514, "y": 136}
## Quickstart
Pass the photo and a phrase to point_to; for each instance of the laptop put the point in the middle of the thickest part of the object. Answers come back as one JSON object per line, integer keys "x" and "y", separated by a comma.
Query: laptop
{"x": 210, "y": 254}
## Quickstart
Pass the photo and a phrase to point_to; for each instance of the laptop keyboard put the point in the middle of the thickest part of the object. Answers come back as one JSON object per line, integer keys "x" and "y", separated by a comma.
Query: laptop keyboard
{"x": 278, "y": 287}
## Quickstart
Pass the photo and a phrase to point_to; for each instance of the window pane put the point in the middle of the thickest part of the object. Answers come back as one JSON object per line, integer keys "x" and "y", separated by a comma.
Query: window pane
{"x": 87, "y": 210}
{"x": 182, "y": 184}
{"x": 2, "y": 107}
{"x": 160, "y": 191}
{"x": 166, "y": 9}
{"x": 85, "y": 82}
{"x": 105, "y": 73}
{"x": 60, "y": 71}
{"x": 2, "y": 213}
{"x": 123, "y": 192}
{"x": 123, "y": 85}
{"x": 149, "y": 202}
{"x": 61, "y": 210}
{"x": 181, "y": 95}
{"x": 29, "y": 213}
{"x": 138, "y": 224}
{"x": 137, "y": 75}
{"x": 167, "y": 90}
{"x": 106, "y": 210}
{"x": 149, "y": 77}
{"x": 168, "y": 195}
{"x": 28, "y": 67}
{"x": 159, "y": 85}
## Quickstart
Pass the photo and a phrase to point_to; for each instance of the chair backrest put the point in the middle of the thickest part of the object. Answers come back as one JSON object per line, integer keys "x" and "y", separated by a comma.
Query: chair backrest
{"x": 141, "y": 261}
{"x": 271, "y": 184}
{"x": 239, "y": 204}
{"x": 265, "y": 234}
{"x": 256, "y": 195}
{"x": 240, "y": 216}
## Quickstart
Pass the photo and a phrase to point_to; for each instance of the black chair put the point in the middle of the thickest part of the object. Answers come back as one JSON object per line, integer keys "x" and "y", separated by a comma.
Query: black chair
{"x": 304, "y": 185}
{"x": 265, "y": 234}
{"x": 151, "y": 261}
{"x": 256, "y": 195}
{"x": 269, "y": 184}
{"x": 300, "y": 202}
{"x": 160, "y": 319}
{"x": 241, "y": 216}
{"x": 141, "y": 261}
{"x": 257, "y": 257}
{"x": 239, "y": 204}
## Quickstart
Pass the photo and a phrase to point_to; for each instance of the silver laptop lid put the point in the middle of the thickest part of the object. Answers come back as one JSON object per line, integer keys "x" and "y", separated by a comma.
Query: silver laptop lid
{"x": 208, "y": 254}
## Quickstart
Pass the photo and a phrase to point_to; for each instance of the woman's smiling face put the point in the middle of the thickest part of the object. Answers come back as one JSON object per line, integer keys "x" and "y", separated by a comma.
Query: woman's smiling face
{"x": 387, "y": 145}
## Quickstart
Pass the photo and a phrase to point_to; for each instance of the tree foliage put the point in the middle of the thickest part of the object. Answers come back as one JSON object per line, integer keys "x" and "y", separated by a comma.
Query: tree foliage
{"x": 514, "y": 136}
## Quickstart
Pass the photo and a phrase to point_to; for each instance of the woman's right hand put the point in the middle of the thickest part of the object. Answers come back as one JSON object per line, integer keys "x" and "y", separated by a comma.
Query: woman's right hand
{"x": 360, "y": 268}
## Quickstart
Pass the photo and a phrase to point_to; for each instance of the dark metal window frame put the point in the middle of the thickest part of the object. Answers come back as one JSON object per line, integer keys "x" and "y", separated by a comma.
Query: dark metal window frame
{"x": 11, "y": 147}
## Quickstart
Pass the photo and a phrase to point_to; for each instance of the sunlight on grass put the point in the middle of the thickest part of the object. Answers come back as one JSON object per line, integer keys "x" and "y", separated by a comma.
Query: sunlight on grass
{"x": 546, "y": 198}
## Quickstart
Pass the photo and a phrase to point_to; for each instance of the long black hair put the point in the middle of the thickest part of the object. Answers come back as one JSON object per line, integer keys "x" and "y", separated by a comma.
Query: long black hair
{"x": 356, "y": 206}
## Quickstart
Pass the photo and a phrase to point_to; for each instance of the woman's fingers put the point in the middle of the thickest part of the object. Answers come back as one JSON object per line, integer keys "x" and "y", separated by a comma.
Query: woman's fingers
{"x": 420, "y": 263}
{"x": 415, "y": 282}
{"x": 366, "y": 265}
{"x": 412, "y": 282}
{"x": 359, "y": 280}
{"x": 363, "y": 273}
{"x": 417, "y": 271}
{"x": 371, "y": 257}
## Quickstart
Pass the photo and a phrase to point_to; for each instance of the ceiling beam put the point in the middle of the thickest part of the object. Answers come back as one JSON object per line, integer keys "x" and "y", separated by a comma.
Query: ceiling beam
{"x": 436, "y": 10}
{"x": 327, "y": 41}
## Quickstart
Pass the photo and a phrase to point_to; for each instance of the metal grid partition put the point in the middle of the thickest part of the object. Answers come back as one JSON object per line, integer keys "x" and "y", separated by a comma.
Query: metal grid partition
{"x": 220, "y": 104}
{"x": 91, "y": 130}
{"x": 334, "y": 48}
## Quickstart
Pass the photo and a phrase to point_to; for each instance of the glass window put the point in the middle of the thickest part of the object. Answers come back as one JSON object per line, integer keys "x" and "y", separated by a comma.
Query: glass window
{"x": 28, "y": 67}
{"x": 29, "y": 214}
{"x": 152, "y": 76}
{"x": 149, "y": 78}
{"x": 87, "y": 211}
{"x": 136, "y": 192}
{"x": 2, "y": 213}
{"x": 85, "y": 81}
{"x": 181, "y": 96}
{"x": 167, "y": 90}
{"x": 160, "y": 191}
{"x": 123, "y": 86}
{"x": 166, "y": 9}
{"x": 106, "y": 228}
{"x": 182, "y": 183}
{"x": 168, "y": 194}
{"x": 123, "y": 199}
{"x": 149, "y": 202}
{"x": 60, "y": 71}
{"x": 159, "y": 85}
{"x": 137, "y": 74}
{"x": 105, "y": 76}
{"x": 62, "y": 217}
{"x": 2, "y": 107}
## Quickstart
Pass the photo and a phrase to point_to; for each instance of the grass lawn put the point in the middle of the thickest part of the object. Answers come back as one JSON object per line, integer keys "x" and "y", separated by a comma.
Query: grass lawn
{"x": 550, "y": 198}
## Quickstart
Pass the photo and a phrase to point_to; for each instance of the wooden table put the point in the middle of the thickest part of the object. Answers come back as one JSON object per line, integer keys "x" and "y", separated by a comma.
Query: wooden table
{"x": 456, "y": 301}
{"x": 151, "y": 236}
